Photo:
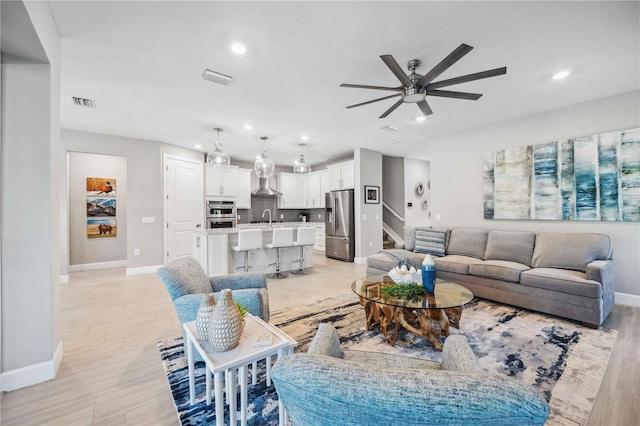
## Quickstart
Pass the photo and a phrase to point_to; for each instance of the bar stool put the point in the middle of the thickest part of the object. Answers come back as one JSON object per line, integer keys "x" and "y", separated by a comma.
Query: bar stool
{"x": 248, "y": 239}
{"x": 306, "y": 237}
{"x": 282, "y": 237}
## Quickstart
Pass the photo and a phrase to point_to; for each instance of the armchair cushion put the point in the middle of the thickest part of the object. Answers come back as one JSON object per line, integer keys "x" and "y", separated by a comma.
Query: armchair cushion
{"x": 184, "y": 276}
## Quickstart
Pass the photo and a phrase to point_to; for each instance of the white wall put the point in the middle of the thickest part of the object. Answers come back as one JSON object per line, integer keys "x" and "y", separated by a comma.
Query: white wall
{"x": 31, "y": 347}
{"x": 456, "y": 175}
{"x": 84, "y": 250}
{"x": 368, "y": 217}
{"x": 414, "y": 171}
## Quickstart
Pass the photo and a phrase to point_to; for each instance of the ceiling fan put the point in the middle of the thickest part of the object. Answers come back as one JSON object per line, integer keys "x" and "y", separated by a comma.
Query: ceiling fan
{"x": 415, "y": 87}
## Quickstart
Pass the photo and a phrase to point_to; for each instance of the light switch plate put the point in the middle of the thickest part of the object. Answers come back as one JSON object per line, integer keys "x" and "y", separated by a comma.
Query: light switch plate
{"x": 148, "y": 219}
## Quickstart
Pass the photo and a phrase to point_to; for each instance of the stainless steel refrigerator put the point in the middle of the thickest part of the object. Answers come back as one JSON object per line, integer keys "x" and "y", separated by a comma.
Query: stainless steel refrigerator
{"x": 340, "y": 226}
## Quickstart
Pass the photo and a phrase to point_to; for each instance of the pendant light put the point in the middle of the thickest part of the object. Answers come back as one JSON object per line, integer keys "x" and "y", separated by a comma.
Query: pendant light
{"x": 264, "y": 165}
{"x": 217, "y": 157}
{"x": 299, "y": 166}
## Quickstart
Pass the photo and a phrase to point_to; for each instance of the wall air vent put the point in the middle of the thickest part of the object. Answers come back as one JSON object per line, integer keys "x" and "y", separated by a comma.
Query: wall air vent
{"x": 89, "y": 103}
{"x": 216, "y": 77}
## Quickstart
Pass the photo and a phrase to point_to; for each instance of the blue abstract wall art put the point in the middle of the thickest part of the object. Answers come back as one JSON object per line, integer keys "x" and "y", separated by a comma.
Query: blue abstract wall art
{"x": 588, "y": 178}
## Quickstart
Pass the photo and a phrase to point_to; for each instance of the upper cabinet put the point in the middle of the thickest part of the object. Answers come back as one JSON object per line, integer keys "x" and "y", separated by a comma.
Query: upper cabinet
{"x": 289, "y": 189}
{"x": 243, "y": 188}
{"x": 341, "y": 176}
{"x": 220, "y": 182}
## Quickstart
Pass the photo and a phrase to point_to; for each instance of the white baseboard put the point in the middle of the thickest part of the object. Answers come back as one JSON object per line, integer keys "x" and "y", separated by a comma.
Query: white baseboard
{"x": 627, "y": 299}
{"x": 143, "y": 270}
{"x": 360, "y": 260}
{"x": 64, "y": 279}
{"x": 32, "y": 374}
{"x": 99, "y": 265}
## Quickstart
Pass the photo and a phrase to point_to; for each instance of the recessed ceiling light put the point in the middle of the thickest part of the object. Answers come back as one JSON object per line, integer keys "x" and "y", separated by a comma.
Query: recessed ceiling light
{"x": 248, "y": 127}
{"x": 304, "y": 138}
{"x": 238, "y": 48}
{"x": 561, "y": 74}
{"x": 421, "y": 118}
{"x": 393, "y": 141}
{"x": 198, "y": 146}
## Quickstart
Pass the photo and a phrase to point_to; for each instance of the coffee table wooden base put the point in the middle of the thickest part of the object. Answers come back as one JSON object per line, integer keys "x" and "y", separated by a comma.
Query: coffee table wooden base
{"x": 430, "y": 324}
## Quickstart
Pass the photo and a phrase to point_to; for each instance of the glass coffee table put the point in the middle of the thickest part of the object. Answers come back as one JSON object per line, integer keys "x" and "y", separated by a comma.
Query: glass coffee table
{"x": 428, "y": 315}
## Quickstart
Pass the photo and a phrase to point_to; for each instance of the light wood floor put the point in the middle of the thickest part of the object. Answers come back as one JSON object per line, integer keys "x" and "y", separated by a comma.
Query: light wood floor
{"x": 111, "y": 373}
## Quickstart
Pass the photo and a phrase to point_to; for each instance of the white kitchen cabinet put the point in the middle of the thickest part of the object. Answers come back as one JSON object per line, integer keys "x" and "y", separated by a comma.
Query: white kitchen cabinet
{"x": 325, "y": 186}
{"x": 319, "y": 245}
{"x": 314, "y": 198}
{"x": 287, "y": 186}
{"x": 212, "y": 252}
{"x": 243, "y": 188}
{"x": 220, "y": 182}
{"x": 341, "y": 176}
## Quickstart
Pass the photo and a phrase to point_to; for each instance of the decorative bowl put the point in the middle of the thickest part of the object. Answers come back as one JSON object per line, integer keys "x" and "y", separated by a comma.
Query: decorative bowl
{"x": 403, "y": 275}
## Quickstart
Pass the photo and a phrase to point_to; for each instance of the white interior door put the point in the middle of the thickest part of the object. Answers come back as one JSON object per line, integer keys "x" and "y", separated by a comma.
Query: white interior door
{"x": 184, "y": 205}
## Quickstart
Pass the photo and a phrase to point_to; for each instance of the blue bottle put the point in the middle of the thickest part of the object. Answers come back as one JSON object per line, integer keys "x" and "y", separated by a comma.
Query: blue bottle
{"x": 428, "y": 274}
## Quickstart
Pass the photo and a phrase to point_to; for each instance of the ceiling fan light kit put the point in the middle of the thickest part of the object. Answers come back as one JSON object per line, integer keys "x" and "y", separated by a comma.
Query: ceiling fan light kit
{"x": 415, "y": 87}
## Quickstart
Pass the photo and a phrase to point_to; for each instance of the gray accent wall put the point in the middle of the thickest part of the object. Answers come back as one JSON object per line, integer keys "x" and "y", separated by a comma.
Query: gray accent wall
{"x": 414, "y": 171}
{"x": 368, "y": 217}
{"x": 456, "y": 176}
{"x": 393, "y": 185}
{"x": 83, "y": 250}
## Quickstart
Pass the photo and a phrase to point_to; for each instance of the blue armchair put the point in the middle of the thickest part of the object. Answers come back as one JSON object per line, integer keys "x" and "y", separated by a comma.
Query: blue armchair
{"x": 187, "y": 283}
{"x": 327, "y": 386}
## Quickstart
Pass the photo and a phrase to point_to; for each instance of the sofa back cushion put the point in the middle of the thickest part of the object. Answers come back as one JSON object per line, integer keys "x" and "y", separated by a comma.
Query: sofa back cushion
{"x": 570, "y": 251}
{"x": 468, "y": 242}
{"x": 512, "y": 246}
{"x": 409, "y": 238}
{"x": 430, "y": 241}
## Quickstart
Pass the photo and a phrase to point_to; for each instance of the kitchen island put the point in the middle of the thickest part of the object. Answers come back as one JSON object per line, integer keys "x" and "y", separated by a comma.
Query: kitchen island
{"x": 212, "y": 248}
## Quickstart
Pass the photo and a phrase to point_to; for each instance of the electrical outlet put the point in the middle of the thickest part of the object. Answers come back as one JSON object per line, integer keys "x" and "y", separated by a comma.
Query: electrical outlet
{"x": 319, "y": 216}
{"x": 377, "y": 217}
{"x": 136, "y": 252}
{"x": 364, "y": 216}
{"x": 437, "y": 217}
{"x": 370, "y": 243}
{"x": 281, "y": 216}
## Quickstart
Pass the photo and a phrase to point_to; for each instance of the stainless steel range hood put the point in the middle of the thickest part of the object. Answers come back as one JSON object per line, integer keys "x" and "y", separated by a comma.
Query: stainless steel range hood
{"x": 264, "y": 190}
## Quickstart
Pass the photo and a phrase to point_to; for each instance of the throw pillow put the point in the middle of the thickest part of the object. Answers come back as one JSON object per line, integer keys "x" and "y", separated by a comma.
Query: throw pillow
{"x": 430, "y": 241}
{"x": 409, "y": 238}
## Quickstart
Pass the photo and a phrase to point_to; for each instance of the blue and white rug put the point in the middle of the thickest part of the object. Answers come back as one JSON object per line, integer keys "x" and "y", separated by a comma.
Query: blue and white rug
{"x": 563, "y": 360}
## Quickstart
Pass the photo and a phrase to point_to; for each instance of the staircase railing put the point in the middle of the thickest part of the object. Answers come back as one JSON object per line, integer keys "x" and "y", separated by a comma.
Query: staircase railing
{"x": 392, "y": 211}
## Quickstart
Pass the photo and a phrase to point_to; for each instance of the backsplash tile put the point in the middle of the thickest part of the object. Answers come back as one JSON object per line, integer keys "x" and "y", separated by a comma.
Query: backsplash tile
{"x": 260, "y": 204}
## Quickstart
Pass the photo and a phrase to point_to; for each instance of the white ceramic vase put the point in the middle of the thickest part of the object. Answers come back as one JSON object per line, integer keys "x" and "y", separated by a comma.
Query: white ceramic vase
{"x": 204, "y": 313}
{"x": 225, "y": 324}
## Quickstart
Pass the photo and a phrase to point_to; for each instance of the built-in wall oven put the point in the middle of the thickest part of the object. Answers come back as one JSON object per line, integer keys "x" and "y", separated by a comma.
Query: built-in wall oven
{"x": 221, "y": 214}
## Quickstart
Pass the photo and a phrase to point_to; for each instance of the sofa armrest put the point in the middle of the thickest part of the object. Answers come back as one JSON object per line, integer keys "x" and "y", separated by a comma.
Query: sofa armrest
{"x": 320, "y": 390}
{"x": 458, "y": 356}
{"x": 601, "y": 271}
{"x": 238, "y": 281}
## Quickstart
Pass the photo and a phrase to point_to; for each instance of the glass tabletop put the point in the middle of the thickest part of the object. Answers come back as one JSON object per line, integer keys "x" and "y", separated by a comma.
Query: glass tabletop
{"x": 447, "y": 294}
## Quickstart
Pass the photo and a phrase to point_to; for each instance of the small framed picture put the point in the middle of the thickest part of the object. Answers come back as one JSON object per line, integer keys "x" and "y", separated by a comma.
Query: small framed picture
{"x": 371, "y": 194}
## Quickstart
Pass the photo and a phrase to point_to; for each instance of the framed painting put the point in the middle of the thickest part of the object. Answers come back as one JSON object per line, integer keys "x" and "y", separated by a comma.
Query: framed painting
{"x": 101, "y": 207}
{"x": 101, "y": 187}
{"x": 102, "y": 228}
{"x": 371, "y": 194}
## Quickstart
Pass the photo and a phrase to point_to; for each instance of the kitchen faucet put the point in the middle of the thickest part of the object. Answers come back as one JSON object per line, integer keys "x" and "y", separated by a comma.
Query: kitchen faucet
{"x": 267, "y": 210}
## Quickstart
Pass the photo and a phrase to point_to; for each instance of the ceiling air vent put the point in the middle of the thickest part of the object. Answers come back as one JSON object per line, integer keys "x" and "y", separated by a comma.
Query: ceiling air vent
{"x": 216, "y": 77}
{"x": 390, "y": 128}
{"x": 89, "y": 103}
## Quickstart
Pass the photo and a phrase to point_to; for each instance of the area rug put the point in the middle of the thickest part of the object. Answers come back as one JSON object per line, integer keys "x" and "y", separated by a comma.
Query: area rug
{"x": 563, "y": 360}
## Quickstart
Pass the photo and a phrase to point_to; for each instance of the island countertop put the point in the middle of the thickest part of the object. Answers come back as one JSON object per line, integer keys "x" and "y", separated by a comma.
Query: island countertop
{"x": 263, "y": 226}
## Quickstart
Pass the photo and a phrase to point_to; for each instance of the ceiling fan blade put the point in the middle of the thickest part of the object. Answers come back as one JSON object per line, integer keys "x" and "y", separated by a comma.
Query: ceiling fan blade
{"x": 424, "y": 107}
{"x": 457, "y": 95}
{"x": 360, "y": 86}
{"x": 453, "y": 57}
{"x": 396, "y": 69}
{"x": 467, "y": 78}
{"x": 393, "y": 107}
{"x": 375, "y": 100}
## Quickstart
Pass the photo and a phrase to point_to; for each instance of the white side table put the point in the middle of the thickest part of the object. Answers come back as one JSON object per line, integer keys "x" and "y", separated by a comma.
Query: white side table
{"x": 227, "y": 367}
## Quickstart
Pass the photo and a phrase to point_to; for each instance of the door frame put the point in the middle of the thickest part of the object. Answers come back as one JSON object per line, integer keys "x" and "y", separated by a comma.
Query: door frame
{"x": 165, "y": 200}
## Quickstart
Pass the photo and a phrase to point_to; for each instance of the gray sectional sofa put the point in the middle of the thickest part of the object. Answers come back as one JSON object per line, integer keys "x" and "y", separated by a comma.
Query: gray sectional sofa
{"x": 568, "y": 275}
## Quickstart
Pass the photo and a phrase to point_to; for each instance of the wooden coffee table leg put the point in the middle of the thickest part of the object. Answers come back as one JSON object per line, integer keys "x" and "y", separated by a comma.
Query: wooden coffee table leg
{"x": 454, "y": 315}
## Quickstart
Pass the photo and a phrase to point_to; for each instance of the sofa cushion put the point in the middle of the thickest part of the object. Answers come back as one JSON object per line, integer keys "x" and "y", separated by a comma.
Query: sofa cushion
{"x": 563, "y": 280}
{"x": 510, "y": 245}
{"x": 430, "y": 241}
{"x": 455, "y": 263}
{"x": 570, "y": 251}
{"x": 498, "y": 269}
{"x": 468, "y": 242}
{"x": 409, "y": 238}
{"x": 326, "y": 342}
